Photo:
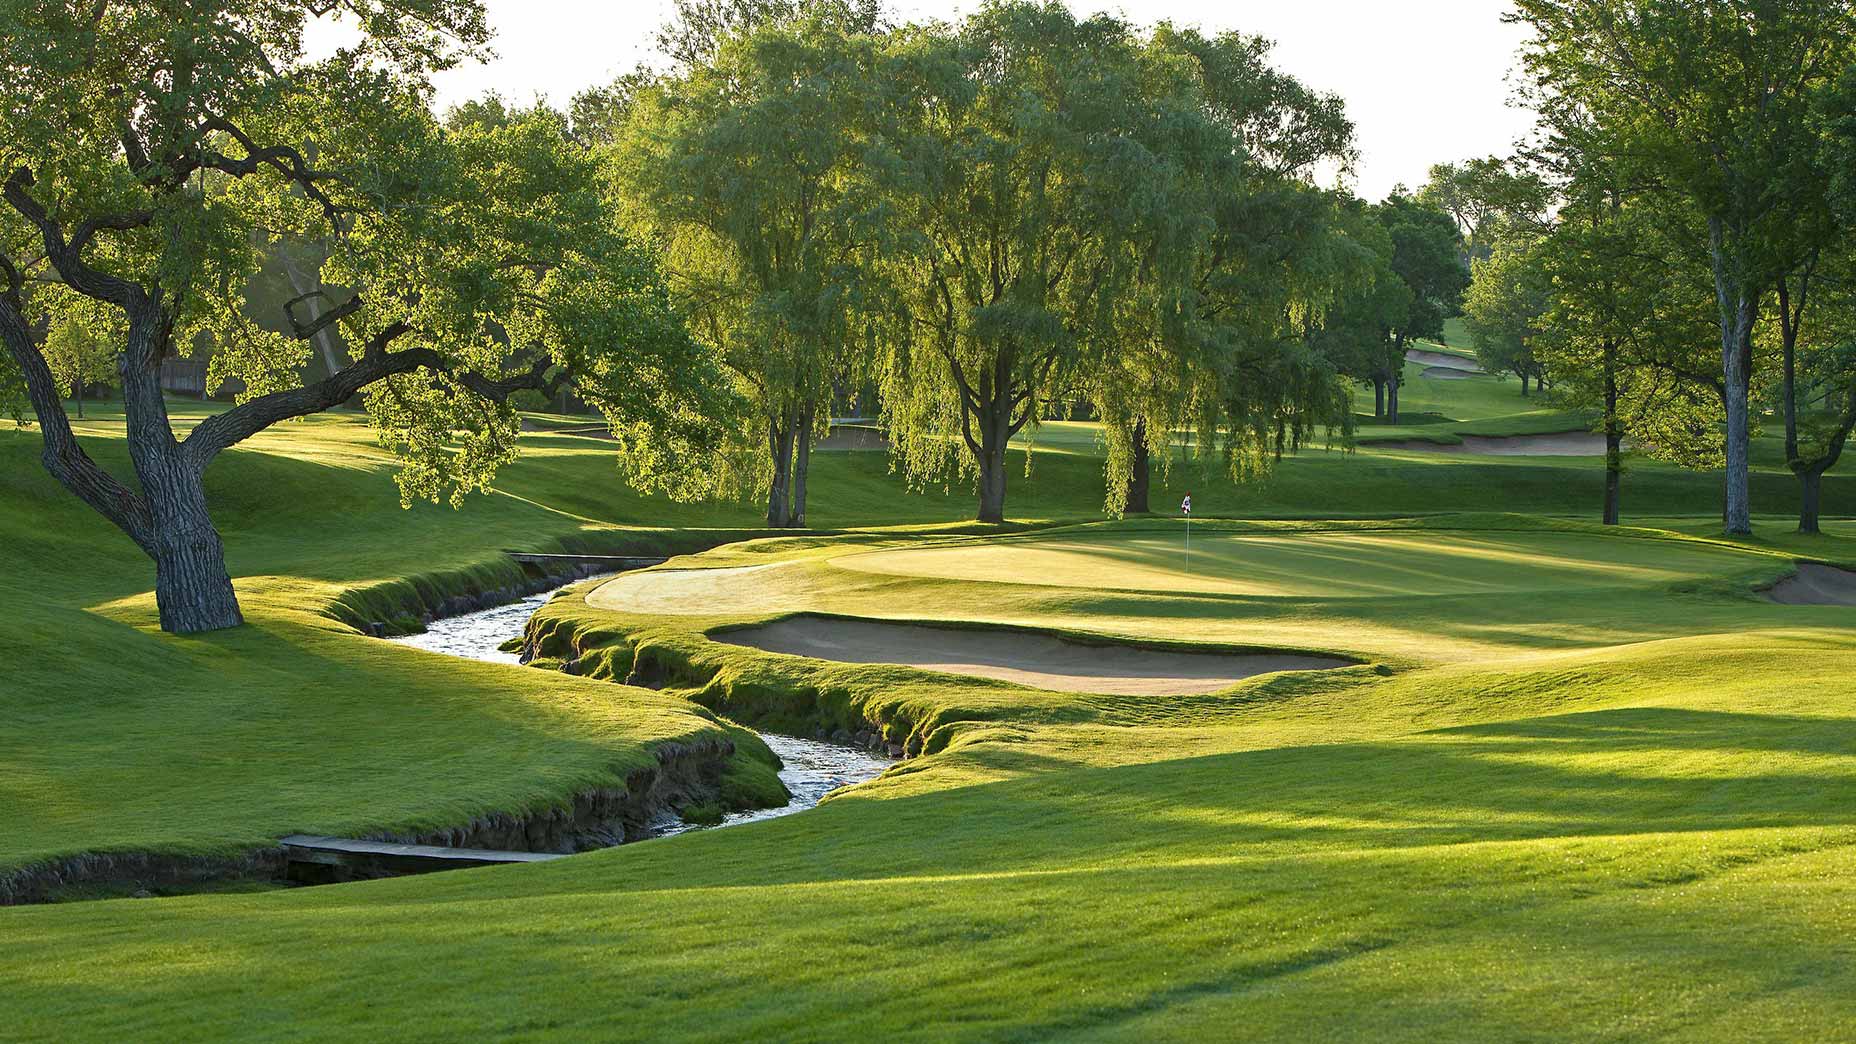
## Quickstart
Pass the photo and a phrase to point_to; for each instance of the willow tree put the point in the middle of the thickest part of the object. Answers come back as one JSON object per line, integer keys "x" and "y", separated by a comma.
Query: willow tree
{"x": 1012, "y": 166}
{"x": 1233, "y": 250}
{"x": 1715, "y": 99}
{"x": 749, "y": 165}
{"x": 153, "y": 147}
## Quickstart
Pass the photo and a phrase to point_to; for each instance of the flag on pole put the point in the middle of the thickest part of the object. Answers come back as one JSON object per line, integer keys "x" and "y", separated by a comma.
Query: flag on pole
{"x": 1186, "y": 505}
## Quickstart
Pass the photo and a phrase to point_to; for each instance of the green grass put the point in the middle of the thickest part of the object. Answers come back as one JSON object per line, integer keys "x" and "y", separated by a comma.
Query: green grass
{"x": 1586, "y": 784}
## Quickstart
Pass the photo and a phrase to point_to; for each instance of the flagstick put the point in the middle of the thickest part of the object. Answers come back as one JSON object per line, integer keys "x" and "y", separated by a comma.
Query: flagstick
{"x": 1188, "y": 545}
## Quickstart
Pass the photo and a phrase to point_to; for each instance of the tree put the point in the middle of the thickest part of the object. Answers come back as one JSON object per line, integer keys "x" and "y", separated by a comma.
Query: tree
{"x": 80, "y": 347}
{"x": 1209, "y": 341}
{"x": 697, "y": 29}
{"x": 1013, "y": 166}
{"x": 1425, "y": 260}
{"x": 749, "y": 165}
{"x": 153, "y": 148}
{"x": 1507, "y": 296}
{"x": 1489, "y": 198}
{"x": 1624, "y": 317}
{"x": 1715, "y": 99}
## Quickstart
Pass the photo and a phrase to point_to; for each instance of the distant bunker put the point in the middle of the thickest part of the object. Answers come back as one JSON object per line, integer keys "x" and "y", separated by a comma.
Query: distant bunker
{"x": 1815, "y": 584}
{"x": 1443, "y": 361}
{"x": 1562, "y": 444}
{"x": 1040, "y": 660}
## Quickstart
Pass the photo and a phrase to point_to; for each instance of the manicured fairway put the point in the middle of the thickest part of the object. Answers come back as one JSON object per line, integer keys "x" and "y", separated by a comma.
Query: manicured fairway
{"x": 1311, "y": 564}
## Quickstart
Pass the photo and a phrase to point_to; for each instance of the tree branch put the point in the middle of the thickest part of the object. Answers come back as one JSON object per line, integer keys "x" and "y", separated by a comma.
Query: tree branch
{"x": 63, "y": 255}
{"x": 64, "y": 457}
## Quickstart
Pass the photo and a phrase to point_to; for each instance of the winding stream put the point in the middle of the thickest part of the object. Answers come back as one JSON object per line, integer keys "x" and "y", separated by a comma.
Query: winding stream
{"x": 811, "y": 768}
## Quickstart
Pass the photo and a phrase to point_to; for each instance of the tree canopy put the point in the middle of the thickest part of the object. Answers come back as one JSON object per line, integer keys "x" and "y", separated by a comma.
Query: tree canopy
{"x": 154, "y": 152}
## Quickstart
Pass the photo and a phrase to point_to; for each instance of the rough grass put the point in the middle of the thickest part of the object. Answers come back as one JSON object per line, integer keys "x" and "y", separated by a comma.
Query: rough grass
{"x": 1588, "y": 785}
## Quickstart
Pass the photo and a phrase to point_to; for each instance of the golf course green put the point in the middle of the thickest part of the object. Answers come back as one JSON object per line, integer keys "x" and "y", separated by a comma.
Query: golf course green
{"x": 1575, "y": 782}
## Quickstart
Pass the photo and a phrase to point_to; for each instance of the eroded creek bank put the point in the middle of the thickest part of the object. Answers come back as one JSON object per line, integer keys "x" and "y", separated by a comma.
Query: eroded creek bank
{"x": 684, "y": 775}
{"x": 810, "y": 768}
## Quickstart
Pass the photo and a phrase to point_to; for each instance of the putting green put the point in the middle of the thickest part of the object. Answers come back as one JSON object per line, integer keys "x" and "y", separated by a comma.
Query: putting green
{"x": 1314, "y": 565}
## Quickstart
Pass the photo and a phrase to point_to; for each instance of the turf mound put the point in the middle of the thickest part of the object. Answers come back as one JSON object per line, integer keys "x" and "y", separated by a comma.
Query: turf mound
{"x": 1563, "y": 444}
{"x": 1815, "y": 584}
{"x": 693, "y": 592}
{"x": 1025, "y": 657}
{"x": 1447, "y": 373}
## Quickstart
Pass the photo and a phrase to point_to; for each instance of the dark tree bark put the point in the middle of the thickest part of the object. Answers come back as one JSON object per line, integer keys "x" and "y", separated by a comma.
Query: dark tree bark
{"x": 780, "y": 445}
{"x": 79, "y": 392}
{"x": 1614, "y": 437}
{"x": 1138, "y": 473}
{"x": 994, "y": 437}
{"x": 1523, "y": 384}
{"x": 1811, "y": 484}
{"x": 1739, "y": 311}
{"x": 1000, "y": 408}
{"x": 1379, "y": 398}
{"x": 802, "y": 463}
{"x": 1392, "y": 401}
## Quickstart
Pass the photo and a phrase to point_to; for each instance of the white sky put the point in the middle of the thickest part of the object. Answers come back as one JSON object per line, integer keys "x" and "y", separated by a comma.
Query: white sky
{"x": 1425, "y": 81}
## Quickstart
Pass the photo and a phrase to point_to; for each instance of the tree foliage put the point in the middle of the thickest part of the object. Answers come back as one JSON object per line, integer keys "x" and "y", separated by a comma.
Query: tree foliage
{"x": 155, "y": 151}
{"x": 750, "y": 167}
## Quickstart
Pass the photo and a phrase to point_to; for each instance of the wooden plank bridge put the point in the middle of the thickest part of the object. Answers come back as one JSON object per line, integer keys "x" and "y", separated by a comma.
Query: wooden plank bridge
{"x": 313, "y": 856}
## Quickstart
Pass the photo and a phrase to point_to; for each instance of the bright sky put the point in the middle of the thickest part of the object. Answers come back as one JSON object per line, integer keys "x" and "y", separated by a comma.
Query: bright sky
{"x": 1424, "y": 80}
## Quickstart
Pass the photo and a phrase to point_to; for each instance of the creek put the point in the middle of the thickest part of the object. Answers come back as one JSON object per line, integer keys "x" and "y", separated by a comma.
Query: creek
{"x": 810, "y": 768}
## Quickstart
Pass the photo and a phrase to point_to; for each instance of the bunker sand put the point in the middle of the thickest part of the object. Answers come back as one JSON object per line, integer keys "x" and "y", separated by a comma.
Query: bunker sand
{"x": 1442, "y": 361}
{"x": 1564, "y": 444}
{"x": 1027, "y": 658}
{"x": 1816, "y": 584}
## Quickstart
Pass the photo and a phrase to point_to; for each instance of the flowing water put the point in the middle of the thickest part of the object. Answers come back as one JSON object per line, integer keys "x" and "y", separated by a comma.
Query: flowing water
{"x": 812, "y": 768}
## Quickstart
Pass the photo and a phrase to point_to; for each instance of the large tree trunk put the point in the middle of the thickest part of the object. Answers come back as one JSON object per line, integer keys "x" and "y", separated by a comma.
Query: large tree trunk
{"x": 193, "y": 589}
{"x": 1392, "y": 402}
{"x": 802, "y": 462}
{"x": 1811, "y": 482}
{"x": 1614, "y": 437}
{"x": 1524, "y": 384}
{"x": 1739, "y": 308}
{"x": 1379, "y": 398}
{"x": 1138, "y": 473}
{"x": 80, "y": 395}
{"x": 780, "y": 446}
{"x": 993, "y": 441}
{"x": 192, "y": 586}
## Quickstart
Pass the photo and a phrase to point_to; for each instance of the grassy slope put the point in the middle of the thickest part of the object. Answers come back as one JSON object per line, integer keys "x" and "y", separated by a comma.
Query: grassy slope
{"x": 1530, "y": 827}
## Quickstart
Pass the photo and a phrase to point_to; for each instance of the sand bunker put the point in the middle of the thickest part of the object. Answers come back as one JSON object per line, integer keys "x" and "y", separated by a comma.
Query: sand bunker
{"x": 1024, "y": 657}
{"x": 1815, "y": 584}
{"x": 853, "y": 438}
{"x": 1442, "y": 361}
{"x": 1564, "y": 444}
